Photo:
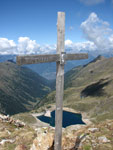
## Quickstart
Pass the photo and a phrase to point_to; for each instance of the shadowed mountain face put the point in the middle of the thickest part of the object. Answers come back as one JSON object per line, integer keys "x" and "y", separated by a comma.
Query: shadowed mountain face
{"x": 20, "y": 88}
{"x": 89, "y": 89}
{"x": 95, "y": 89}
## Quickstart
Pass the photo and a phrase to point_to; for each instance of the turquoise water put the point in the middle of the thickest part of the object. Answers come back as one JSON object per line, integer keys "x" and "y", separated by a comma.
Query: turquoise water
{"x": 69, "y": 118}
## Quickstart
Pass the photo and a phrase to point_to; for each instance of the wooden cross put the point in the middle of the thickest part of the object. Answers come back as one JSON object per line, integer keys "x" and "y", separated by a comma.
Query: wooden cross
{"x": 60, "y": 58}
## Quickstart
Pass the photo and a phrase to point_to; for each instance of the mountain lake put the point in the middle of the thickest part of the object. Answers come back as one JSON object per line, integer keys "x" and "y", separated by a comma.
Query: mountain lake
{"x": 69, "y": 118}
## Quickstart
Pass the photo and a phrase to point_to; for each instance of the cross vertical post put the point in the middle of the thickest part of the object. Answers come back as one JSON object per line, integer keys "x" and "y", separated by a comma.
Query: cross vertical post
{"x": 60, "y": 59}
{"x": 59, "y": 80}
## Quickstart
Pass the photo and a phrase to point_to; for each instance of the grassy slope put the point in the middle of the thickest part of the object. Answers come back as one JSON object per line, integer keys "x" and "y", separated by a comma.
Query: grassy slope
{"x": 20, "y": 88}
{"x": 89, "y": 89}
{"x": 21, "y": 136}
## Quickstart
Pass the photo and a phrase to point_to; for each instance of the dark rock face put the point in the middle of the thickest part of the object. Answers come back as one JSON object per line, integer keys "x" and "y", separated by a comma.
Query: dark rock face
{"x": 95, "y": 89}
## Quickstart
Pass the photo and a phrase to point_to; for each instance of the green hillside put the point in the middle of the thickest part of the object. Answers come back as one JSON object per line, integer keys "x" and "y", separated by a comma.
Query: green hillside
{"x": 89, "y": 89}
{"x": 20, "y": 88}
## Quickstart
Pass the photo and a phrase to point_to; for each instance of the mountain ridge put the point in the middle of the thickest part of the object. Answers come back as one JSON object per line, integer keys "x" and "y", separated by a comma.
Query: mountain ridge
{"x": 88, "y": 89}
{"x": 21, "y": 87}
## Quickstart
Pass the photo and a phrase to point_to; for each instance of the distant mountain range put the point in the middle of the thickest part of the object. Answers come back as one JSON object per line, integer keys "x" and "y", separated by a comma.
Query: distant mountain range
{"x": 47, "y": 70}
{"x": 20, "y": 88}
{"x": 4, "y": 58}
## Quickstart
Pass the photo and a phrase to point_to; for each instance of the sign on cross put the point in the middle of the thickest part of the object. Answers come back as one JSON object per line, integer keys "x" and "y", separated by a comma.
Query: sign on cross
{"x": 60, "y": 58}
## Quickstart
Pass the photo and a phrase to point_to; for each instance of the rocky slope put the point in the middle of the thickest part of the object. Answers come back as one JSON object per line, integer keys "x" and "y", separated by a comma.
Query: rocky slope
{"x": 97, "y": 136}
{"x": 20, "y": 88}
{"x": 93, "y": 137}
{"x": 88, "y": 89}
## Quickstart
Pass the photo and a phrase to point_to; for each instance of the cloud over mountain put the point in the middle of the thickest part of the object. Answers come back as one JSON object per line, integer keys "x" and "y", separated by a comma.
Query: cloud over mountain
{"x": 79, "y": 46}
{"x": 7, "y": 46}
{"x": 27, "y": 46}
{"x": 24, "y": 46}
{"x": 98, "y": 32}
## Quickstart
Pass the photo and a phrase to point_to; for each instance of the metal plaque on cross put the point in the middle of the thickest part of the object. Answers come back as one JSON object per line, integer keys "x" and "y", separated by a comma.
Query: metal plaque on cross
{"x": 60, "y": 58}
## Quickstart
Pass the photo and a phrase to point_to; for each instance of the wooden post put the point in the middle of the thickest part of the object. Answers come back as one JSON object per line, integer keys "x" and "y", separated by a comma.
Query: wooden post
{"x": 59, "y": 81}
{"x": 60, "y": 59}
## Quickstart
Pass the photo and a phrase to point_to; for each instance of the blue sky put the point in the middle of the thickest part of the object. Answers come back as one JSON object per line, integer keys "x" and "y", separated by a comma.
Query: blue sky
{"x": 29, "y": 26}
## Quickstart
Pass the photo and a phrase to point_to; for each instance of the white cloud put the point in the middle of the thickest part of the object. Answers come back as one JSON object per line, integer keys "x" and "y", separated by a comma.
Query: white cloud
{"x": 80, "y": 46}
{"x": 91, "y": 2}
{"x": 68, "y": 42}
{"x": 7, "y": 46}
{"x": 98, "y": 32}
{"x": 27, "y": 46}
{"x": 24, "y": 46}
{"x": 48, "y": 49}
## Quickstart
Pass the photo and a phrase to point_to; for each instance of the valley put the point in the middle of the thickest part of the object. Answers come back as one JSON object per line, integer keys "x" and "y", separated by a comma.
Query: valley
{"x": 88, "y": 89}
{"x": 20, "y": 88}
{"x": 25, "y": 95}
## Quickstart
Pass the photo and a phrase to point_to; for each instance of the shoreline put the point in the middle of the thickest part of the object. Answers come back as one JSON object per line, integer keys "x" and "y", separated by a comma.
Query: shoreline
{"x": 48, "y": 112}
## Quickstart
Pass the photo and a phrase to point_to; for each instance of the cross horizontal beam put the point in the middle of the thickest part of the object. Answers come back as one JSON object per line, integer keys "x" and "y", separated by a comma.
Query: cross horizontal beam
{"x": 76, "y": 56}
{"x": 35, "y": 59}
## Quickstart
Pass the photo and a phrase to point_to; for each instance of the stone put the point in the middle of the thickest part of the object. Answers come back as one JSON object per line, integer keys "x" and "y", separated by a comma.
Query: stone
{"x": 10, "y": 120}
{"x": 93, "y": 130}
{"x": 48, "y": 113}
{"x": 43, "y": 141}
{"x": 3, "y": 141}
{"x": 21, "y": 147}
{"x": 103, "y": 139}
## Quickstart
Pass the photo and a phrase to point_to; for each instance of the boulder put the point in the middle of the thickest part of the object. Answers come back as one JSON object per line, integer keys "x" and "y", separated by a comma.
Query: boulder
{"x": 3, "y": 141}
{"x": 44, "y": 140}
{"x": 93, "y": 130}
{"x": 21, "y": 147}
{"x": 103, "y": 139}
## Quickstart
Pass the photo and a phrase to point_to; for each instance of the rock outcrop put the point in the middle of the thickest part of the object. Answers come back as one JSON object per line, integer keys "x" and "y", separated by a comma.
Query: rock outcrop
{"x": 11, "y": 120}
{"x": 91, "y": 137}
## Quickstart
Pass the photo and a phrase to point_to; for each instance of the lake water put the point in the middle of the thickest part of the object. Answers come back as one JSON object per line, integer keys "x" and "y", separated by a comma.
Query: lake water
{"x": 69, "y": 118}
